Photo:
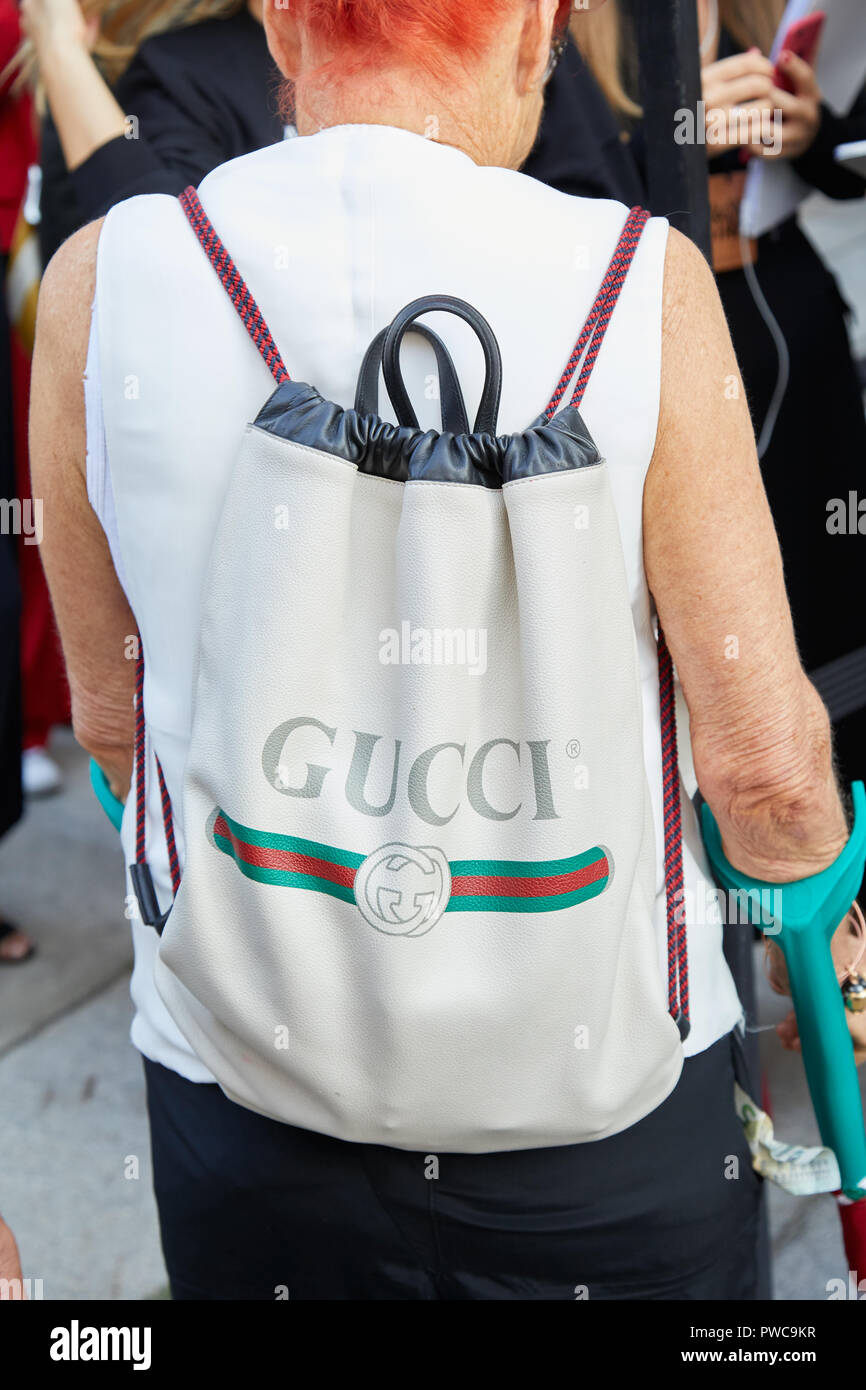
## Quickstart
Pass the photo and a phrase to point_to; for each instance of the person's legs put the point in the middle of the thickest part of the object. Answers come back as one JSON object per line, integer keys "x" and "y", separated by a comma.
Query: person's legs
{"x": 250, "y": 1208}
{"x": 253, "y": 1209}
{"x": 668, "y": 1209}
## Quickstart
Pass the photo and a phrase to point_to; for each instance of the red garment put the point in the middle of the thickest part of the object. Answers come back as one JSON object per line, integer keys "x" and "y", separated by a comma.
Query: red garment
{"x": 853, "y": 1216}
{"x": 44, "y": 688}
{"x": 17, "y": 135}
{"x": 45, "y": 693}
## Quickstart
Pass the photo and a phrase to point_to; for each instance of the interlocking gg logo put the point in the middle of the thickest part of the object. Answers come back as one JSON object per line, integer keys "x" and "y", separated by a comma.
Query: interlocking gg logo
{"x": 403, "y": 890}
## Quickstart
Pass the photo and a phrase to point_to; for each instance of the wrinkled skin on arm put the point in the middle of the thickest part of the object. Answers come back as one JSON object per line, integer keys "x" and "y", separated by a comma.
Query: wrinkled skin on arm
{"x": 761, "y": 737}
{"x": 93, "y": 616}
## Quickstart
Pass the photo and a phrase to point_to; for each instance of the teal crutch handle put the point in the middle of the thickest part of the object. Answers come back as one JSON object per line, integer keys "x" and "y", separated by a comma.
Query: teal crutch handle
{"x": 804, "y": 916}
{"x": 105, "y": 796}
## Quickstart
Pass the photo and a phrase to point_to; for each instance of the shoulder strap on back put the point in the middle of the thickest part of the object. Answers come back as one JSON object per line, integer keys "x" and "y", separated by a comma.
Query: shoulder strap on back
{"x": 592, "y": 334}
{"x": 248, "y": 310}
{"x": 254, "y": 322}
{"x": 587, "y": 348}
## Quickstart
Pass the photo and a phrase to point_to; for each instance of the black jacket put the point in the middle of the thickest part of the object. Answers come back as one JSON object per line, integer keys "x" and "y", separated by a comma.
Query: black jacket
{"x": 200, "y": 96}
{"x": 579, "y": 149}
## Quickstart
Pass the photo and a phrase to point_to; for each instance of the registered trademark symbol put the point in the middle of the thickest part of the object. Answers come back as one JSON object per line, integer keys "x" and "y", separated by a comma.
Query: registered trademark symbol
{"x": 573, "y": 748}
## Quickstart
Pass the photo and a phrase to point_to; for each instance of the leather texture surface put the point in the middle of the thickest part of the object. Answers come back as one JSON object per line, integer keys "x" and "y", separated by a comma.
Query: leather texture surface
{"x": 297, "y": 412}
{"x": 488, "y": 407}
{"x": 454, "y": 418}
{"x": 303, "y": 967}
{"x": 165, "y": 335}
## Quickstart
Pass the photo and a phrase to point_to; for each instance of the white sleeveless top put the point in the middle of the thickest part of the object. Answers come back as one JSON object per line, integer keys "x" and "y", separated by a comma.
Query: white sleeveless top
{"x": 334, "y": 233}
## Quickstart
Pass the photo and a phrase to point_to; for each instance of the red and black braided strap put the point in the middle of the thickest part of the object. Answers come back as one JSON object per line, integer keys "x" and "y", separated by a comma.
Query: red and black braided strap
{"x": 589, "y": 343}
{"x": 140, "y": 808}
{"x": 594, "y": 329}
{"x": 678, "y": 974}
{"x": 168, "y": 824}
{"x": 142, "y": 881}
{"x": 254, "y": 322}
{"x": 233, "y": 282}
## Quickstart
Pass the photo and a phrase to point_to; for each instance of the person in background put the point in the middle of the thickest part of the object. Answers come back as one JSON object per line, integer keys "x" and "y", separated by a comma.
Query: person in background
{"x": 812, "y": 438}
{"x": 44, "y": 688}
{"x": 195, "y": 80}
{"x": 16, "y": 148}
{"x": 580, "y": 148}
{"x": 143, "y": 99}
{"x": 44, "y": 691}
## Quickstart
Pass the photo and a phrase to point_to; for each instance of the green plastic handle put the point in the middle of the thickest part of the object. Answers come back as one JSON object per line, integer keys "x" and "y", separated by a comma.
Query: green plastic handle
{"x": 804, "y": 916}
{"x": 104, "y": 795}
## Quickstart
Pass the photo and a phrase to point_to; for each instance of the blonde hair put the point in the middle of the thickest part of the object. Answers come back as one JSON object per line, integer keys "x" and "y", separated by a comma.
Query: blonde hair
{"x": 752, "y": 23}
{"x": 125, "y": 24}
{"x": 607, "y": 45}
{"x": 606, "y": 41}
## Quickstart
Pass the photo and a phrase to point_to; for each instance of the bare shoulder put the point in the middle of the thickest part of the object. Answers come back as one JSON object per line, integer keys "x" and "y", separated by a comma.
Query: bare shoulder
{"x": 60, "y": 352}
{"x": 689, "y": 284}
{"x": 702, "y": 392}
{"x": 66, "y": 296}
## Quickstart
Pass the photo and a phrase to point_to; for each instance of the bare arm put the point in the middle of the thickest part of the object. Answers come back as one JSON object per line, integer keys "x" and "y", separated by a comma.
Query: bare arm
{"x": 93, "y": 616}
{"x": 761, "y": 736}
{"x": 85, "y": 112}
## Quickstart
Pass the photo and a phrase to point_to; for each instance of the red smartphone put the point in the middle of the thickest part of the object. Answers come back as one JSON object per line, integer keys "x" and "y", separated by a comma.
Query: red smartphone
{"x": 802, "y": 38}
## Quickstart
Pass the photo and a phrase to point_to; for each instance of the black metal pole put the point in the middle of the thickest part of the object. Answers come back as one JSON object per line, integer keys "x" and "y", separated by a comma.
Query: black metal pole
{"x": 670, "y": 83}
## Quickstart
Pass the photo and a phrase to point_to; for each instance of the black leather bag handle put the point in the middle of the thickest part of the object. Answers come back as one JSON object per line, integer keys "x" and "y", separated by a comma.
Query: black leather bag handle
{"x": 488, "y": 410}
{"x": 454, "y": 417}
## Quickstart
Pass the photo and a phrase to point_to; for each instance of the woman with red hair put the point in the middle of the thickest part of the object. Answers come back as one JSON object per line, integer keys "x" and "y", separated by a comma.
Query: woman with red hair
{"x": 502, "y": 1107}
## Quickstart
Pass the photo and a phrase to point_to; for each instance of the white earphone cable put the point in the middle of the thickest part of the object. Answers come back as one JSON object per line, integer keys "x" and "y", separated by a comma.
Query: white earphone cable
{"x": 781, "y": 346}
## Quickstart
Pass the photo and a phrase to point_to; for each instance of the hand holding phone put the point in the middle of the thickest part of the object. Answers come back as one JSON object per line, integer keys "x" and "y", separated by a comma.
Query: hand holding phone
{"x": 801, "y": 39}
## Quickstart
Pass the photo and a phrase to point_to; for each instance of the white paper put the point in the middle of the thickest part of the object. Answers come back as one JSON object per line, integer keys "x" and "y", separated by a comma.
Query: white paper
{"x": 853, "y": 155}
{"x": 796, "y": 1169}
{"x": 773, "y": 190}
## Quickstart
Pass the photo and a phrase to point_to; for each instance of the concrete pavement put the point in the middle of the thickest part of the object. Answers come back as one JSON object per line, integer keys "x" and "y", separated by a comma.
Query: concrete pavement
{"x": 75, "y": 1175}
{"x": 73, "y": 1130}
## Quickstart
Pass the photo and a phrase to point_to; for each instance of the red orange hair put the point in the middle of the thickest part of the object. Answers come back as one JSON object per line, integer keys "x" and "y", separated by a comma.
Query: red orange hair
{"x": 362, "y": 34}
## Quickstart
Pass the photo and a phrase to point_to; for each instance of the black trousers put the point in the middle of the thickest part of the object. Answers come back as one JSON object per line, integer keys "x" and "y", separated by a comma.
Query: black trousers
{"x": 253, "y": 1209}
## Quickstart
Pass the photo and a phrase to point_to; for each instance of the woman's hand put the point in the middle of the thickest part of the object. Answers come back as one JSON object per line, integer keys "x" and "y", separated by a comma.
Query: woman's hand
{"x": 742, "y": 89}
{"x": 847, "y": 948}
{"x": 57, "y": 24}
{"x": 801, "y": 109}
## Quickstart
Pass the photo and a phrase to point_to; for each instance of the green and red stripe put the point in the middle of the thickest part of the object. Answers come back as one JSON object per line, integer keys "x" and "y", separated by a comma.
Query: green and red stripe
{"x": 286, "y": 860}
{"x": 477, "y": 885}
{"x": 525, "y": 885}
